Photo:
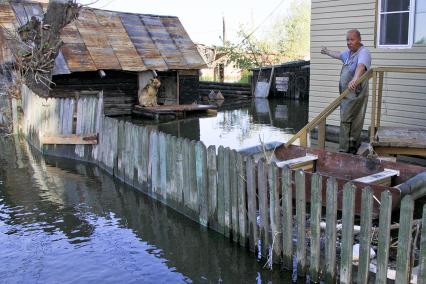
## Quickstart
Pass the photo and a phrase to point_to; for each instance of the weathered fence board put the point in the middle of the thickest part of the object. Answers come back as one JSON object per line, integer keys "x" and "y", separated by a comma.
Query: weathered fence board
{"x": 421, "y": 279}
{"x": 404, "y": 240}
{"x": 251, "y": 204}
{"x": 330, "y": 231}
{"x": 301, "y": 222}
{"x": 221, "y": 190}
{"x": 384, "y": 237}
{"x": 347, "y": 233}
{"x": 242, "y": 201}
{"x": 153, "y": 163}
{"x": 193, "y": 194}
{"x": 186, "y": 175}
{"x": 234, "y": 194}
{"x": 163, "y": 154}
{"x": 227, "y": 191}
{"x": 212, "y": 186}
{"x": 275, "y": 212}
{"x": 145, "y": 157}
{"x": 201, "y": 173}
{"x": 287, "y": 228}
{"x": 365, "y": 235}
{"x": 171, "y": 194}
{"x": 262, "y": 186}
{"x": 178, "y": 175}
{"x": 316, "y": 206}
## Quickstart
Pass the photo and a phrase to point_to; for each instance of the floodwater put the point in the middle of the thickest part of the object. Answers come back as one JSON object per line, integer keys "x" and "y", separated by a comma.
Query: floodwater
{"x": 63, "y": 221}
{"x": 240, "y": 126}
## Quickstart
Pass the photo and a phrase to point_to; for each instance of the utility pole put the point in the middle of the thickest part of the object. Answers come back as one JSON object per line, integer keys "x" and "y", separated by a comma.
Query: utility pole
{"x": 222, "y": 65}
{"x": 223, "y": 30}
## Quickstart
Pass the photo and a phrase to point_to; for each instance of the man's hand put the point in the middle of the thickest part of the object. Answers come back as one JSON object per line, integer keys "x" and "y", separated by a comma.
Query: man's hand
{"x": 352, "y": 85}
{"x": 331, "y": 53}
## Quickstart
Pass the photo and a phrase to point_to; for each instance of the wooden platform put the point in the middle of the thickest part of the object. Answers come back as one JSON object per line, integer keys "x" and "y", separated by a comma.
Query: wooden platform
{"x": 173, "y": 111}
{"x": 400, "y": 140}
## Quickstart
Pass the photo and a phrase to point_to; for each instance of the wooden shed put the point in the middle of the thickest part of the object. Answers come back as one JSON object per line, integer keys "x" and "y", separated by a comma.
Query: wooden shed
{"x": 287, "y": 80}
{"x": 115, "y": 53}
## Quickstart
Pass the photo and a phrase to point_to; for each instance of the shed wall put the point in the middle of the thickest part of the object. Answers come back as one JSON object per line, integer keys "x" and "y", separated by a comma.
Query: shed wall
{"x": 404, "y": 95}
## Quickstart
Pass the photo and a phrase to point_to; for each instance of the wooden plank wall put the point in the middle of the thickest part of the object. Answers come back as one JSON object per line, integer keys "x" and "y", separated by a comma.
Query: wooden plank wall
{"x": 224, "y": 190}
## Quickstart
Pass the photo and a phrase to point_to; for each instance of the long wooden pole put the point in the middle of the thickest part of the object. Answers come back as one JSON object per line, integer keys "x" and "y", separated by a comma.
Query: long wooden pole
{"x": 327, "y": 111}
{"x": 373, "y": 108}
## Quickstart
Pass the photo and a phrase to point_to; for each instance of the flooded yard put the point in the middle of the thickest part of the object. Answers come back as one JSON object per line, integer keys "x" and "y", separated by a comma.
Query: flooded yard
{"x": 241, "y": 126}
{"x": 63, "y": 221}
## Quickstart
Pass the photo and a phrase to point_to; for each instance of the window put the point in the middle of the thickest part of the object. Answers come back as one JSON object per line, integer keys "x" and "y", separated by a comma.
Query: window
{"x": 395, "y": 23}
{"x": 420, "y": 22}
{"x": 401, "y": 23}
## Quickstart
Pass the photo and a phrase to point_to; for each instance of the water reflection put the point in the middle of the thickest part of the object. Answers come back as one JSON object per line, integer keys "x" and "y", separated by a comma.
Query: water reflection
{"x": 63, "y": 221}
{"x": 240, "y": 126}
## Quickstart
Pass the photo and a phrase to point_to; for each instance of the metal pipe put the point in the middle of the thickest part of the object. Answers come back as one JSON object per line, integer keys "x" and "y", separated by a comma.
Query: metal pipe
{"x": 415, "y": 186}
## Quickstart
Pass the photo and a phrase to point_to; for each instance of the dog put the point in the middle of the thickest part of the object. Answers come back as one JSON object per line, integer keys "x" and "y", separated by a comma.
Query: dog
{"x": 148, "y": 95}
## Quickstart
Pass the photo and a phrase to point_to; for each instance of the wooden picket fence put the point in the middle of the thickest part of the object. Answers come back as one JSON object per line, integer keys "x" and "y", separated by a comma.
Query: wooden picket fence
{"x": 254, "y": 203}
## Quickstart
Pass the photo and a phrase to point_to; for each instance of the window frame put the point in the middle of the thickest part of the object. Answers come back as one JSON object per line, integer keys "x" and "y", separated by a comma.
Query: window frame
{"x": 411, "y": 15}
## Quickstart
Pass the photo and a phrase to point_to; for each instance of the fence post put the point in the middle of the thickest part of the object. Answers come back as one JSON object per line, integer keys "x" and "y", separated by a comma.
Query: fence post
{"x": 301, "y": 222}
{"x": 316, "y": 206}
{"x": 347, "y": 233}
{"x": 163, "y": 155}
{"x": 178, "y": 148}
{"x": 201, "y": 175}
{"x": 263, "y": 205}
{"x": 384, "y": 237}
{"x": 275, "y": 212}
{"x": 227, "y": 191}
{"x": 251, "y": 203}
{"x": 287, "y": 228}
{"x": 321, "y": 134}
{"x": 421, "y": 279}
{"x": 330, "y": 231}
{"x": 145, "y": 156}
{"x": 193, "y": 194}
{"x": 186, "y": 186}
{"x": 221, "y": 190}
{"x": 242, "y": 200}
{"x": 365, "y": 235}
{"x": 404, "y": 240}
{"x": 234, "y": 194}
{"x": 212, "y": 186}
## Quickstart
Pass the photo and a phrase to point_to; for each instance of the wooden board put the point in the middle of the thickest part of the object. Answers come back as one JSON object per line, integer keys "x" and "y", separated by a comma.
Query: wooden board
{"x": 410, "y": 137}
{"x": 71, "y": 139}
{"x": 381, "y": 178}
{"x": 171, "y": 110}
{"x": 306, "y": 163}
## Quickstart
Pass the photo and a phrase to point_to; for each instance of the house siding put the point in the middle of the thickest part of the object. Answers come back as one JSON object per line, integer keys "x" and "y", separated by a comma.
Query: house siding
{"x": 404, "y": 95}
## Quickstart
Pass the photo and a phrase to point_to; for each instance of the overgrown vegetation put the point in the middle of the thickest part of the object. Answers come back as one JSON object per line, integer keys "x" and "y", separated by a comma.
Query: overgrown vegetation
{"x": 36, "y": 44}
{"x": 288, "y": 40}
{"x": 34, "y": 47}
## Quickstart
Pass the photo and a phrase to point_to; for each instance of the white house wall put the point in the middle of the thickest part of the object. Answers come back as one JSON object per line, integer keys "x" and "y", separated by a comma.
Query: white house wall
{"x": 404, "y": 95}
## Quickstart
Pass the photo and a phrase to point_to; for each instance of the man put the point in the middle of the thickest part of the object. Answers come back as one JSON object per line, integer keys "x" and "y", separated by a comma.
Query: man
{"x": 356, "y": 60}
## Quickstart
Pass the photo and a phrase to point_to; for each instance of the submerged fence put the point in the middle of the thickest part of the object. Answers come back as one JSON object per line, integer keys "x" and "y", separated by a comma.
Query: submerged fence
{"x": 257, "y": 204}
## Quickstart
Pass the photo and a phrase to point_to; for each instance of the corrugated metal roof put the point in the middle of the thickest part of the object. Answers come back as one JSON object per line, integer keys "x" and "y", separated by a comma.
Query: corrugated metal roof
{"x": 101, "y": 39}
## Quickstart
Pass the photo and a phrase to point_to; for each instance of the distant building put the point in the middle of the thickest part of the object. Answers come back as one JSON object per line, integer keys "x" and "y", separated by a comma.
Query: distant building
{"x": 219, "y": 68}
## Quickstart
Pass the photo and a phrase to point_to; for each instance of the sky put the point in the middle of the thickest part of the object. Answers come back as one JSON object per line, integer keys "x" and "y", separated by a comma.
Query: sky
{"x": 203, "y": 19}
